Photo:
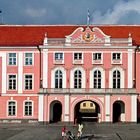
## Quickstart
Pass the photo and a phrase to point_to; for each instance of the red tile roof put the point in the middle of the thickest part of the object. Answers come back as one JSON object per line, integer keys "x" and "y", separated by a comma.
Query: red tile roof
{"x": 25, "y": 35}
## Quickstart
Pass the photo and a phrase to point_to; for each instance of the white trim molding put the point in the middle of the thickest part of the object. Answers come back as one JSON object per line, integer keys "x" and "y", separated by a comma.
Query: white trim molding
{"x": 102, "y": 76}
{"x": 111, "y": 76}
{"x": 67, "y": 109}
{"x": 134, "y": 108}
{"x": 20, "y": 72}
{"x": 40, "y": 108}
{"x": 4, "y": 72}
{"x": 107, "y": 108}
{"x": 72, "y": 76}
{"x": 130, "y": 68}
{"x": 62, "y": 69}
{"x": 45, "y": 68}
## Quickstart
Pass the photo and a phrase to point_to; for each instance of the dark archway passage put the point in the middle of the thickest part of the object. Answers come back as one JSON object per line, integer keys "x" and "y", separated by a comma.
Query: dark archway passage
{"x": 55, "y": 112}
{"x": 87, "y": 115}
{"x": 118, "y": 109}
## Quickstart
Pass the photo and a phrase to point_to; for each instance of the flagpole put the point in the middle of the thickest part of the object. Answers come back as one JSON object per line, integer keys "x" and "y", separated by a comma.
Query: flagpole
{"x": 88, "y": 18}
{"x": 1, "y": 17}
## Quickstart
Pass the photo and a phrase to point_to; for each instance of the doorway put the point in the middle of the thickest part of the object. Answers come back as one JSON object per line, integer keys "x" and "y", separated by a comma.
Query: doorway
{"x": 55, "y": 111}
{"x": 118, "y": 111}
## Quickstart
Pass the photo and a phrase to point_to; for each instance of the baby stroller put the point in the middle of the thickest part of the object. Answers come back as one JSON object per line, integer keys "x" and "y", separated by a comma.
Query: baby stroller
{"x": 70, "y": 136}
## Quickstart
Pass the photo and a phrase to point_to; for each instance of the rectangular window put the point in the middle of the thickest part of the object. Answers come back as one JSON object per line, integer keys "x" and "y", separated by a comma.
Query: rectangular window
{"x": 77, "y": 56}
{"x": 97, "y": 56}
{"x": 58, "y": 56}
{"x": 12, "y": 58}
{"x": 11, "y": 108}
{"x": 28, "y": 59}
{"x": 28, "y": 82}
{"x": 12, "y": 82}
{"x": 28, "y": 109}
{"x": 116, "y": 56}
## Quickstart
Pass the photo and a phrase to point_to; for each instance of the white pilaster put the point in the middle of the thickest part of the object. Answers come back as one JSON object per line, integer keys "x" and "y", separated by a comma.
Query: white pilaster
{"x": 134, "y": 108}
{"x": 130, "y": 68}
{"x": 45, "y": 68}
{"x": 20, "y": 72}
{"x": 107, "y": 108}
{"x": 40, "y": 108}
{"x": 66, "y": 113}
{"x": 3, "y": 55}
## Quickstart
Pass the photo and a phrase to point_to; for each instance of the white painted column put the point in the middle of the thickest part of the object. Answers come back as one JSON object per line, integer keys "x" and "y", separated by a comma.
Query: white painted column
{"x": 66, "y": 112}
{"x": 40, "y": 108}
{"x": 134, "y": 108}
{"x": 45, "y": 68}
{"x": 20, "y": 72}
{"x": 107, "y": 108}
{"x": 130, "y": 68}
{"x": 4, "y": 78}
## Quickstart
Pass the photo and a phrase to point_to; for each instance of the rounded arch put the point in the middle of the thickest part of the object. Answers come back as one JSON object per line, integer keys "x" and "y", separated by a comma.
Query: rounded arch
{"x": 102, "y": 76}
{"x": 55, "y": 111}
{"x": 121, "y": 70}
{"x": 118, "y": 111}
{"x": 98, "y": 101}
{"x": 72, "y": 76}
{"x": 63, "y": 70}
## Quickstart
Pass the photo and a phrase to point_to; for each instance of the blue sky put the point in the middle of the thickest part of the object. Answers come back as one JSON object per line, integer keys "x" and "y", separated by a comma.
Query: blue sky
{"x": 70, "y": 11}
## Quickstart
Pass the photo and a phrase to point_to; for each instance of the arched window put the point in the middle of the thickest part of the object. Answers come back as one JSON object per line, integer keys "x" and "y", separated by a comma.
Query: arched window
{"x": 58, "y": 79}
{"x": 11, "y": 108}
{"x": 116, "y": 79}
{"x": 28, "y": 108}
{"x": 77, "y": 79}
{"x": 97, "y": 79}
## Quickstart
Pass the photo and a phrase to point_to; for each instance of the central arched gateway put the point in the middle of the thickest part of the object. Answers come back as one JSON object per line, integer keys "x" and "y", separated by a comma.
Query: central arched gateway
{"x": 86, "y": 110}
{"x": 55, "y": 111}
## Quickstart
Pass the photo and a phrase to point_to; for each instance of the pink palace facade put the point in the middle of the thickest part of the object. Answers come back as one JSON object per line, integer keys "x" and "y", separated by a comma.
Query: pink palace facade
{"x": 69, "y": 73}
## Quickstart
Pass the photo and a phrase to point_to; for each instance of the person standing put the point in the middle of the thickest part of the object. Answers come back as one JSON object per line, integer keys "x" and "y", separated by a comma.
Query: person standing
{"x": 64, "y": 133}
{"x": 80, "y": 129}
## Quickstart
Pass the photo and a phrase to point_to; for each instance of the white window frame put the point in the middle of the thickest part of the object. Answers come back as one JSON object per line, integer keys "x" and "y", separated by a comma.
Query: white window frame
{"x": 8, "y": 81}
{"x": 12, "y": 59}
{"x": 53, "y": 76}
{"x": 97, "y": 78}
{"x": 25, "y": 59}
{"x": 78, "y": 79}
{"x": 119, "y": 61}
{"x": 83, "y": 76}
{"x": 59, "y": 78}
{"x": 59, "y": 61}
{"x": 99, "y": 61}
{"x": 32, "y": 81}
{"x": 24, "y": 108}
{"x": 10, "y": 116}
{"x": 116, "y": 79}
{"x": 80, "y": 61}
{"x": 122, "y": 76}
{"x": 102, "y": 77}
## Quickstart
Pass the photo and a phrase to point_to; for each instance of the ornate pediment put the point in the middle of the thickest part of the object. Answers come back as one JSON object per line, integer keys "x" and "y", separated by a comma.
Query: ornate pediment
{"x": 88, "y": 35}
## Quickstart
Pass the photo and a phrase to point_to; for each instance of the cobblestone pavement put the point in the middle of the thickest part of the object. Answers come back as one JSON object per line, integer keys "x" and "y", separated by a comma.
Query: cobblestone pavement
{"x": 53, "y": 131}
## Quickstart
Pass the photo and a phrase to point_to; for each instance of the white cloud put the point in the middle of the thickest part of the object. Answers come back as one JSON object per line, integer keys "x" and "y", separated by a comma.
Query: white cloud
{"x": 35, "y": 12}
{"x": 112, "y": 16}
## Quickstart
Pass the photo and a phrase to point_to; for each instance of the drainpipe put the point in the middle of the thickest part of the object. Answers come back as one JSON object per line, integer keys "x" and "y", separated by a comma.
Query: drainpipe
{"x": 40, "y": 69}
